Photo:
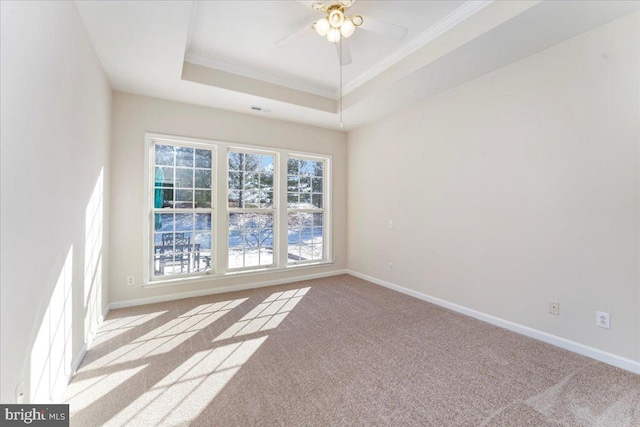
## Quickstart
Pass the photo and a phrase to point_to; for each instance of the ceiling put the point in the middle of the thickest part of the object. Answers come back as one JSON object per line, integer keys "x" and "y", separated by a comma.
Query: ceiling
{"x": 309, "y": 60}
{"x": 223, "y": 54}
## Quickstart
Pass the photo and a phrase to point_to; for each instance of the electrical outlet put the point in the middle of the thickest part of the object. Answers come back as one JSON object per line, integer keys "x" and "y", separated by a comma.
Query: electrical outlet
{"x": 130, "y": 280}
{"x": 390, "y": 266}
{"x": 335, "y": 257}
{"x": 554, "y": 307}
{"x": 390, "y": 223}
{"x": 603, "y": 320}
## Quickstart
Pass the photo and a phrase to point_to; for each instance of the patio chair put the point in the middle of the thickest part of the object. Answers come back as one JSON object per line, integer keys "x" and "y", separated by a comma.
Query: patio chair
{"x": 175, "y": 251}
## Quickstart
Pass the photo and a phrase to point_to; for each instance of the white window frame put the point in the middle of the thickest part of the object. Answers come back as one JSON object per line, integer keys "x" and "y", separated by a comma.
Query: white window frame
{"x": 150, "y": 143}
{"x": 274, "y": 210}
{"x": 323, "y": 210}
{"x": 220, "y": 209}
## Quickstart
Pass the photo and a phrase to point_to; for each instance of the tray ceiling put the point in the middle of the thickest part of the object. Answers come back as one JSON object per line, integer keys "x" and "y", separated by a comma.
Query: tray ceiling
{"x": 235, "y": 35}
{"x": 223, "y": 54}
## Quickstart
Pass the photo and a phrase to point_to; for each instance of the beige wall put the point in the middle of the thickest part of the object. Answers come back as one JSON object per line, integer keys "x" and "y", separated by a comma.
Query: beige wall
{"x": 511, "y": 190}
{"x": 134, "y": 115}
{"x": 55, "y": 146}
{"x": 516, "y": 188}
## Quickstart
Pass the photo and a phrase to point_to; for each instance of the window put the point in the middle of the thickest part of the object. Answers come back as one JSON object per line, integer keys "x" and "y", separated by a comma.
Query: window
{"x": 216, "y": 208}
{"x": 182, "y": 209}
{"x": 251, "y": 209}
{"x": 305, "y": 203}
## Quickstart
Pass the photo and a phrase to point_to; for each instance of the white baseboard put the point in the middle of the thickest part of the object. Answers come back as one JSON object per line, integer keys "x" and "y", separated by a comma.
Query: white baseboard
{"x": 77, "y": 361}
{"x": 576, "y": 347}
{"x": 220, "y": 290}
{"x": 106, "y": 311}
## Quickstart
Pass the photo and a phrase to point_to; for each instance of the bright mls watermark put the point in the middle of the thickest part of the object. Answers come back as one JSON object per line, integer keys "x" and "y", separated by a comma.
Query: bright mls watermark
{"x": 34, "y": 415}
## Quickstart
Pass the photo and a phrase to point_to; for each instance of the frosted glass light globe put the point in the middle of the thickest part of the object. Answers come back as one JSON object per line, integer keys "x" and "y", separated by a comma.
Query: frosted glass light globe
{"x": 334, "y": 35}
{"x": 347, "y": 28}
{"x": 322, "y": 27}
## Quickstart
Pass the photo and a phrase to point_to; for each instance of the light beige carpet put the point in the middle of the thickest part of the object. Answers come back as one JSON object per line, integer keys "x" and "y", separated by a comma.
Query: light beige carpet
{"x": 335, "y": 351}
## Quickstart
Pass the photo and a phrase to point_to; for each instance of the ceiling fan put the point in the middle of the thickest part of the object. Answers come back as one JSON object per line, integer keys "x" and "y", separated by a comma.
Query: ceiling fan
{"x": 338, "y": 27}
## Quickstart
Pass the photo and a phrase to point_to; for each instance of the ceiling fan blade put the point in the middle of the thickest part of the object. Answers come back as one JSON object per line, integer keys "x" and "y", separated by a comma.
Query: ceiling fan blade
{"x": 346, "y": 52}
{"x": 308, "y": 3}
{"x": 393, "y": 31}
{"x": 286, "y": 41}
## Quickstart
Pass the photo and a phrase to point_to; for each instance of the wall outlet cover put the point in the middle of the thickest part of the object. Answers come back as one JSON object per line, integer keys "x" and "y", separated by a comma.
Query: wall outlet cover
{"x": 603, "y": 320}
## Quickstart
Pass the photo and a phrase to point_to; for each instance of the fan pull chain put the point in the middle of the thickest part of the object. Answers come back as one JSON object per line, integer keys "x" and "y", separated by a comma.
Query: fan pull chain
{"x": 340, "y": 82}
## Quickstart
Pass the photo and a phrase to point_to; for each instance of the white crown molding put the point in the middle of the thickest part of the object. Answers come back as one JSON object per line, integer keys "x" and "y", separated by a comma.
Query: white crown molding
{"x": 192, "y": 21}
{"x": 576, "y": 347}
{"x": 199, "y": 59}
{"x": 445, "y": 24}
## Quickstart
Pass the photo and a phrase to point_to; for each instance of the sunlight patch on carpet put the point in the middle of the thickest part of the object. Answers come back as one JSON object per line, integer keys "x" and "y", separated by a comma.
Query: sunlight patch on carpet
{"x": 84, "y": 392}
{"x": 169, "y": 335}
{"x": 267, "y": 315}
{"x": 115, "y": 327}
{"x": 187, "y": 390}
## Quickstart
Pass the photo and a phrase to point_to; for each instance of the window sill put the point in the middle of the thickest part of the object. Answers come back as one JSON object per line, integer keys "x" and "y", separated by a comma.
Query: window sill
{"x": 232, "y": 274}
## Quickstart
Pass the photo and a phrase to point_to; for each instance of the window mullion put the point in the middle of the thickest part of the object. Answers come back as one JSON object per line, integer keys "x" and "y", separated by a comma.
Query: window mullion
{"x": 283, "y": 218}
{"x": 222, "y": 213}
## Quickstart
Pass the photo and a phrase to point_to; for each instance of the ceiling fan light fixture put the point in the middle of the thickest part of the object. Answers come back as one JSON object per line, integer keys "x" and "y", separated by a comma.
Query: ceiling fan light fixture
{"x": 336, "y": 24}
{"x": 322, "y": 26}
{"x": 347, "y": 28}
{"x": 336, "y": 18}
{"x": 333, "y": 36}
